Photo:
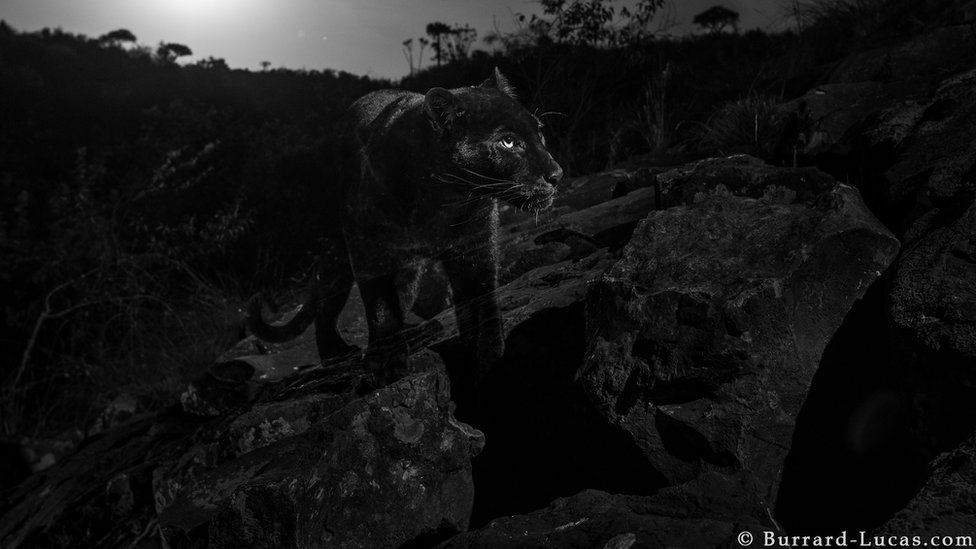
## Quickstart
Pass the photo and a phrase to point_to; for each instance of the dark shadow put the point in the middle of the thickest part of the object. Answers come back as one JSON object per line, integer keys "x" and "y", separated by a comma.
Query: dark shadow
{"x": 854, "y": 461}
{"x": 543, "y": 438}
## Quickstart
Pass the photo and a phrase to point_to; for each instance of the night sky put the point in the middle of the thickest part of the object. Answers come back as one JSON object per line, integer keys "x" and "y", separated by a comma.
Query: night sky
{"x": 358, "y": 36}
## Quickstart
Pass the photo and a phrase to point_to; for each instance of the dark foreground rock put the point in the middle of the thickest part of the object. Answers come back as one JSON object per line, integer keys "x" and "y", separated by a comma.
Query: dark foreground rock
{"x": 946, "y": 504}
{"x": 595, "y": 519}
{"x": 385, "y": 469}
{"x": 896, "y": 388}
{"x": 897, "y": 121}
{"x": 315, "y": 461}
{"x": 704, "y": 338}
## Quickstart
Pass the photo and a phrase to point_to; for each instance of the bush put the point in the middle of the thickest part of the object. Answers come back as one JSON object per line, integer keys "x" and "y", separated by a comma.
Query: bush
{"x": 746, "y": 126}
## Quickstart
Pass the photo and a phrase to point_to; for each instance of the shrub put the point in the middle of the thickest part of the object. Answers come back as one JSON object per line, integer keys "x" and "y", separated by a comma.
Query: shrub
{"x": 746, "y": 126}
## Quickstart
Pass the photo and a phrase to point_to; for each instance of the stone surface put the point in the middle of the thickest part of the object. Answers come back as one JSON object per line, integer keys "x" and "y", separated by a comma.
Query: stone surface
{"x": 380, "y": 471}
{"x": 315, "y": 460}
{"x": 704, "y": 338}
{"x": 946, "y": 504}
{"x": 898, "y": 122}
{"x": 933, "y": 299}
{"x": 941, "y": 51}
{"x": 933, "y": 315}
{"x": 676, "y": 517}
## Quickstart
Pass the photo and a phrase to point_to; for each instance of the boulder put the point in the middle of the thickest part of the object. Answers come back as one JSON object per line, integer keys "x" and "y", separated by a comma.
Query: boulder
{"x": 925, "y": 191}
{"x": 943, "y": 50}
{"x": 704, "y": 338}
{"x": 674, "y": 517}
{"x": 316, "y": 459}
{"x": 933, "y": 315}
{"x": 898, "y": 122}
{"x": 946, "y": 504}
{"x": 380, "y": 471}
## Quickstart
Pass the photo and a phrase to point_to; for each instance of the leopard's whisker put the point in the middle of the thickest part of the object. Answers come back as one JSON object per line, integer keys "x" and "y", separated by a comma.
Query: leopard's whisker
{"x": 500, "y": 183}
{"x": 488, "y": 177}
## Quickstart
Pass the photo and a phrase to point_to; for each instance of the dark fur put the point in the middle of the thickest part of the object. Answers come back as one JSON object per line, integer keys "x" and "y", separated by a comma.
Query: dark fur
{"x": 432, "y": 169}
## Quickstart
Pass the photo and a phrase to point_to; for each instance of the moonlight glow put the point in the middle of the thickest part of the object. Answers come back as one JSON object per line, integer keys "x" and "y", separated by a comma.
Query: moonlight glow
{"x": 364, "y": 36}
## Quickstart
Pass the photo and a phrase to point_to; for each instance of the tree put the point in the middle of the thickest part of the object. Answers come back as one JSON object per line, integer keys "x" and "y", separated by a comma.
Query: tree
{"x": 438, "y": 33}
{"x": 592, "y": 22}
{"x": 450, "y": 44}
{"x": 420, "y": 54}
{"x": 117, "y": 37}
{"x": 716, "y": 18}
{"x": 169, "y": 52}
{"x": 265, "y": 65}
{"x": 461, "y": 39}
{"x": 408, "y": 52}
{"x": 213, "y": 63}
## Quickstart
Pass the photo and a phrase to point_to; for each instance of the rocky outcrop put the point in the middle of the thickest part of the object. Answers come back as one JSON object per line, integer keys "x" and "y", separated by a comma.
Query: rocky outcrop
{"x": 315, "y": 460}
{"x": 662, "y": 329}
{"x": 897, "y": 122}
{"x": 597, "y": 519}
{"x": 946, "y": 504}
{"x": 705, "y": 336}
{"x": 381, "y": 470}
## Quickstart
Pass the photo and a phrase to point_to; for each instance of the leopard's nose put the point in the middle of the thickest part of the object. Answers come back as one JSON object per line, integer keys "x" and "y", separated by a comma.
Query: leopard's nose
{"x": 555, "y": 174}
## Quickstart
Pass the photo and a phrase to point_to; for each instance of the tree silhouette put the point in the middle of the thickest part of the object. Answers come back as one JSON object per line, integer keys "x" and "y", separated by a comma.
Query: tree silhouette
{"x": 408, "y": 52}
{"x": 461, "y": 39}
{"x": 438, "y": 33}
{"x": 116, "y": 37}
{"x": 594, "y": 22}
{"x": 213, "y": 63}
{"x": 449, "y": 43}
{"x": 169, "y": 52}
{"x": 420, "y": 54}
{"x": 716, "y": 18}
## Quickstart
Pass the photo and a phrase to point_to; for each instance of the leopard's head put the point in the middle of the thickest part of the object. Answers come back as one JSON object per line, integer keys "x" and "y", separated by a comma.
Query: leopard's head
{"x": 491, "y": 146}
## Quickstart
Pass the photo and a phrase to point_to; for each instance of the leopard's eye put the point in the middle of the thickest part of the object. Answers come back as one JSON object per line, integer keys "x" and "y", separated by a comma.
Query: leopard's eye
{"x": 507, "y": 143}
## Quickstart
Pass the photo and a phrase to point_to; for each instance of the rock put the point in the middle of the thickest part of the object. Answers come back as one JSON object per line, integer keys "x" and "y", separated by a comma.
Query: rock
{"x": 946, "y": 504}
{"x": 908, "y": 142}
{"x": 704, "y": 338}
{"x": 117, "y": 411}
{"x": 941, "y": 51}
{"x": 380, "y": 471}
{"x": 101, "y": 496}
{"x": 936, "y": 160}
{"x": 905, "y": 135}
{"x": 591, "y": 212}
{"x": 933, "y": 313}
{"x": 594, "y": 519}
{"x": 830, "y": 110}
{"x": 925, "y": 190}
{"x": 853, "y": 460}
{"x": 741, "y": 175}
{"x": 933, "y": 299}
{"x": 315, "y": 458}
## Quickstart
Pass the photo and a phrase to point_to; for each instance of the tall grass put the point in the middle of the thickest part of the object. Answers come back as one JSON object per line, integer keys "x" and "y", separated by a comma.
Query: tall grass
{"x": 745, "y": 126}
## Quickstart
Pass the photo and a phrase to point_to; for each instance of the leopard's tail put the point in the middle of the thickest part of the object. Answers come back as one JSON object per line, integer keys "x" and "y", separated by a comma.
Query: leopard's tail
{"x": 277, "y": 333}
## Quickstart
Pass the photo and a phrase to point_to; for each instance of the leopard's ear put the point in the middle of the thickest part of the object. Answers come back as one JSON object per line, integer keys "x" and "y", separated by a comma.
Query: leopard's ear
{"x": 498, "y": 81}
{"x": 443, "y": 108}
